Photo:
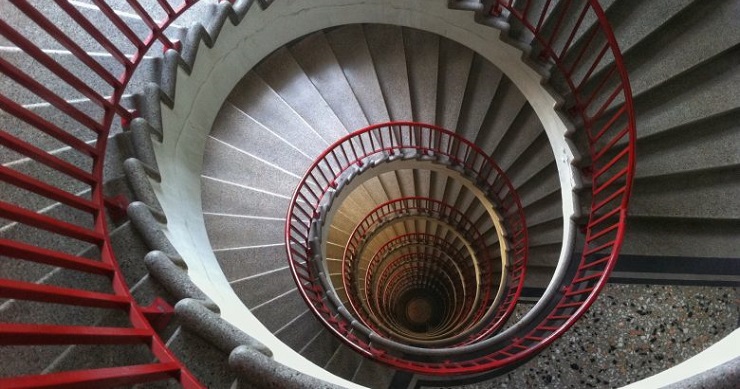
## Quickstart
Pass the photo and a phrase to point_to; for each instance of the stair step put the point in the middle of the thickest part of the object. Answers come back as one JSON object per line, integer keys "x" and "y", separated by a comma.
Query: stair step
{"x": 455, "y": 63}
{"x": 317, "y": 59}
{"x": 235, "y": 128}
{"x": 385, "y": 43}
{"x": 505, "y": 107}
{"x": 670, "y": 236}
{"x": 208, "y": 364}
{"x": 344, "y": 363}
{"x": 254, "y": 97}
{"x": 237, "y": 231}
{"x": 241, "y": 262}
{"x": 30, "y": 291}
{"x": 671, "y": 104}
{"x": 21, "y": 334}
{"x": 298, "y": 332}
{"x": 36, "y": 254}
{"x": 103, "y": 377}
{"x": 390, "y": 184}
{"x": 321, "y": 348}
{"x": 223, "y": 198}
{"x": 352, "y": 53}
{"x": 281, "y": 71}
{"x": 704, "y": 194}
{"x": 260, "y": 288}
{"x": 537, "y": 157}
{"x": 373, "y": 375}
{"x": 481, "y": 87}
{"x": 252, "y": 172}
{"x": 291, "y": 305}
{"x": 681, "y": 43}
{"x": 422, "y": 59}
{"x": 704, "y": 144}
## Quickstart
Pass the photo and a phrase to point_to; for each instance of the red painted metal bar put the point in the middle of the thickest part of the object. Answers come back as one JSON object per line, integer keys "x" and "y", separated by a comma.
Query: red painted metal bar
{"x": 142, "y": 330}
{"x": 27, "y": 252}
{"x": 156, "y": 31}
{"x": 33, "y": 219}
{"x": 119, "y": 23}
{"x": 45, "y": 158}
{"x": 24, "y": 334}
{"x": 96, "y": 34}
{"x": 167, "y": 8}
{"x": 67, "y": 42}
{"x": 110, "y": 377}
{"x": 49, "y": 96}
{"x": 60, "y": 71}
{"x": 45, "y": 126}
{"x": 41, "y": 188}
{"x": 53, "y": 294}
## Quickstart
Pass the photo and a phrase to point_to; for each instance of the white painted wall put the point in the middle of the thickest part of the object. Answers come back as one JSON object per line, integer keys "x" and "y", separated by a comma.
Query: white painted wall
{"x": 238, "y": 48}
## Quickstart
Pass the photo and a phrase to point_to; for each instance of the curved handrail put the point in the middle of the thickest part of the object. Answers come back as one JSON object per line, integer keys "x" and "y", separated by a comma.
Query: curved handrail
{"x": 399, "y": 280}
{"x": 109, "y": 100}
{"x": 403, "y": 243}
{"x": 409, "y": 239}
{"x": 408, "y": 206}
{"x": 610, "y": 126}
{"x": 359, "y": 150}
{"x": 420, "y": 206}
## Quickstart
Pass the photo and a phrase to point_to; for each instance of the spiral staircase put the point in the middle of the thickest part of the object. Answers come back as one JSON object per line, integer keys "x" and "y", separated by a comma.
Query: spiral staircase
{"x": 353, "y": 193}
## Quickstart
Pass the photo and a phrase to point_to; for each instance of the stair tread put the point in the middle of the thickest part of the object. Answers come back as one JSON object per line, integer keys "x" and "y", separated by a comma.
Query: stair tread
{"x": 707, "y": 194}
{"x": 352, "y": 53}
{"x": 373, "y": 375}
{"x": 385, "y": 43}
{"x": 320, "y": 64}
{"x": 422, "y": 58}
{"x": 291, "y": 305}
{"x": 681, "y": 44}
{"x": 254, "y": 97}
{"x": 321, "y": 348}
{"x": 455, "y": 63}
{"x": 227, "y": 231}
{"x": 221, "y": 197}
{"x": 297, "y": 333}
{"x": 281, "y": 71}
{"x": 343, "y": 363}
{"x": 482, "y": 84}
{"x": 252, "y": 172}
{"x": 235, "y": 128}
{"x": 671, "y": 104}
{"x": 256, "y": 289}
{"x": 240, "y": 262}
{"x": 676, "y": 236}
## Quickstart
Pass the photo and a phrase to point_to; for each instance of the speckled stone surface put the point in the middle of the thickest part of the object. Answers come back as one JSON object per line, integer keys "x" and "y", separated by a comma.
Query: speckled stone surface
{"x": 630, "y": 333}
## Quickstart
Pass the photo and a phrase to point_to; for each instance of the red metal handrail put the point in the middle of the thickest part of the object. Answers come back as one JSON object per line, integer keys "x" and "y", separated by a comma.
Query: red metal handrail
{"x": 371, "y": 145}
{"x": 607, "y": 114}
{"x": 111, "y": 107}
{"x": 606, "y": 111}
{"x": 391, "y": 277}
{"x": 441, "y": 211}
{"x": 412, "y": 239}
{"x": 399, "y": 243}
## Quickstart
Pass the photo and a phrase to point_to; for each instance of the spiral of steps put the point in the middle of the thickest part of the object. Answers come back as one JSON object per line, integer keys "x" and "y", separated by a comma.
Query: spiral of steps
{"x": 283, "y": 110}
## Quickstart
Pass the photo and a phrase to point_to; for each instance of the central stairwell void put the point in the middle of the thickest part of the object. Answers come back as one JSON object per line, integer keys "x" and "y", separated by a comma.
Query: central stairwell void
{"x": 329, "y": 193}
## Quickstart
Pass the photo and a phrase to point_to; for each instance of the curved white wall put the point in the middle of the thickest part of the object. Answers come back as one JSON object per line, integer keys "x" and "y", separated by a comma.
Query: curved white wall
{"x": 200, "y": 95}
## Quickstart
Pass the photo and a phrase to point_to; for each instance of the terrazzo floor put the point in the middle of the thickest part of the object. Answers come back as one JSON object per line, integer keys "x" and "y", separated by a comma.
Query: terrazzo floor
{"x": 631, "y": 332}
